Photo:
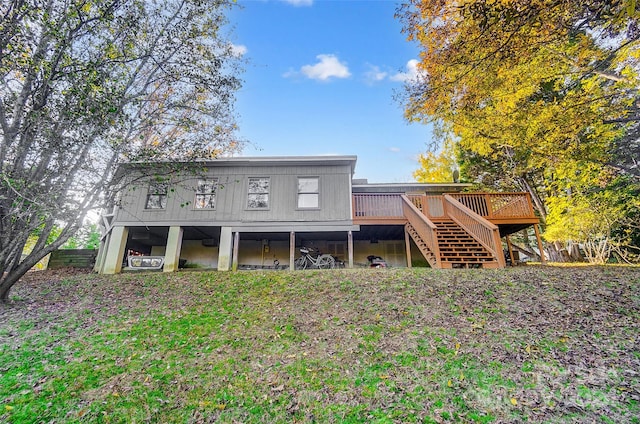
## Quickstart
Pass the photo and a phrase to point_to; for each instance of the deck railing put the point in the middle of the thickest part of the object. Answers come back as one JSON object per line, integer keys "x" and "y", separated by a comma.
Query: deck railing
{"x": 377, "y": 206}
{"x": 425, "y": 228}
{"x": 497, "y": 205}
{"x": 478, "y": 227}
{"x": 429, "y": 205}
{"x": 487, "y": 205}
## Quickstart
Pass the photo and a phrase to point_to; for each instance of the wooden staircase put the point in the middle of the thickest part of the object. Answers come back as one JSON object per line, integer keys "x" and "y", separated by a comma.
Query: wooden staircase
{"x": 459, "y": 250}
{"x": 444, "y": 242}
{"x": 422, "y": 246}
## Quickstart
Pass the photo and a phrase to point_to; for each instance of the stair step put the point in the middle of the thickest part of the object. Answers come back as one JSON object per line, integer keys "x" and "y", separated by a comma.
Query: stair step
{"x": 457, "y": 248}
{"x": 461, "y": 245}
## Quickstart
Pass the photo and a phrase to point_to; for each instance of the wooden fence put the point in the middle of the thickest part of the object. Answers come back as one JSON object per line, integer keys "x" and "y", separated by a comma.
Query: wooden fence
{"x": 72, "y": 258}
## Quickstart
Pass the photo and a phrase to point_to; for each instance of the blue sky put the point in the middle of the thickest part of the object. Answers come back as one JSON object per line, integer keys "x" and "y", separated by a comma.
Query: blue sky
{"x": 320, "y": 80}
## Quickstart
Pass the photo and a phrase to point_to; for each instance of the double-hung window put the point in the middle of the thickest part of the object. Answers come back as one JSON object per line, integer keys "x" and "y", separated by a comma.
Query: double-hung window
{"x": 157, "y": 195}
{"x": 206, "y": 194}
{"x": 308, "y": 192}
{"x": 258, "y": 193}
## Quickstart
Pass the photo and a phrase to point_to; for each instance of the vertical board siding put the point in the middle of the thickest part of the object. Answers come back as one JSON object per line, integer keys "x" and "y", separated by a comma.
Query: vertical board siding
{"x": 231, "y": 197}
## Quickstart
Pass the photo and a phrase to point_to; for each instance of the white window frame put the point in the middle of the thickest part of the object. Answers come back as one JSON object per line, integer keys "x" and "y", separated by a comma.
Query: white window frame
{"x": 154, "y": 191}
{"x": 213, "y": 194}
{"x": 251, "y": 193}
{"x": 302, "y": 192}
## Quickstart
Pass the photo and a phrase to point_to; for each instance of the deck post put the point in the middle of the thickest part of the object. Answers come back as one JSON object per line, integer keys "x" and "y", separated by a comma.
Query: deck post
{"x": 292, "y": 250}
{"x": 350, "y": 247}
{"x": 407, "y": 245}
{"x": 513, "y": 261}
{"x": 543, "y": 260}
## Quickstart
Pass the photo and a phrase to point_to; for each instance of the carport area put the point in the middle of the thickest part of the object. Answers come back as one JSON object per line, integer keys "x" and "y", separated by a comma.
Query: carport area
{"x": 225, "y": 248}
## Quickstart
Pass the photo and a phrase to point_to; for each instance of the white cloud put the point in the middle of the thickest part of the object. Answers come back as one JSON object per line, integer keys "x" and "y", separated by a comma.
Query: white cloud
{"x": 410, "y": 75}
{"x": 374, "y": 74}
{"x": 328, "y": 67}
{"x": 394, "y": 149}
{"x": 238, "y": 50}
{"x": 299, "y": 2}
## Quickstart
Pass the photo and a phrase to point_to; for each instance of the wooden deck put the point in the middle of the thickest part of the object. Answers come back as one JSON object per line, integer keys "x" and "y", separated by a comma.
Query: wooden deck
{"x": 497, "y": 208}
{"x": 484, "y": 217}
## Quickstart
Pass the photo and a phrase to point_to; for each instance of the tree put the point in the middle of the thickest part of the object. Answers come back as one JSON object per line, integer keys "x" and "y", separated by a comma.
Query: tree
{"x": 89, "y": 84}
{"x": 539, "y": 94}
{"x": 438, "y": 167}
{"x": 87, "y": 237}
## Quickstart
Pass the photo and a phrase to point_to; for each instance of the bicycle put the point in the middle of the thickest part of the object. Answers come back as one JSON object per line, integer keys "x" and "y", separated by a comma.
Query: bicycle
{"x": 308, "y": 260}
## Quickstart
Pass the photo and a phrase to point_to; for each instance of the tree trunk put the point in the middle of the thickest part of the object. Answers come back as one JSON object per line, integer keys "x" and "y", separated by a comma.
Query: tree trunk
{"x": 9, "y": 279}
{"x": 5, "y": 286}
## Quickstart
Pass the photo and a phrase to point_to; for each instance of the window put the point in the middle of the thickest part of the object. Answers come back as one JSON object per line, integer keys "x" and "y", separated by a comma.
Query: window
{"x": 258, "y": 197}
{"x": 308, "y": 193}
{"x": 206, "y": 194}
{"x": 157, "y": 196}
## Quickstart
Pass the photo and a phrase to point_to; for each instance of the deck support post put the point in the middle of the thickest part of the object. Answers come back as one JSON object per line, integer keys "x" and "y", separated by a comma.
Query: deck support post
{"x": 350, "y": 247}
{"x": 543, "y": 260}
{"x": 513, "y": 261}
{"x": 292, "y": 250}
{"x": 407, "y": 243}
{"x": 236, "y": 248}
{"x": 172, "y": 252}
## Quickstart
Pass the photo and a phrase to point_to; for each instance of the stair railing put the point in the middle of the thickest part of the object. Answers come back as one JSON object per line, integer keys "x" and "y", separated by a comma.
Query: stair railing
{"x": 479, "y": 228}
{"x": 425, "y": 228}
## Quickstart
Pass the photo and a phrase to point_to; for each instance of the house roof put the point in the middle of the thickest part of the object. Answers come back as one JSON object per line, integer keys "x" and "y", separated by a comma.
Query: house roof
{"x": 358, "y": 187}
{"x": 267, "y": 160}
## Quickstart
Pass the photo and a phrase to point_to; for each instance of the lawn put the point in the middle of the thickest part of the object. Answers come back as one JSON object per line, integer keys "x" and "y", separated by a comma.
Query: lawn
{"x": 530, "y": 343}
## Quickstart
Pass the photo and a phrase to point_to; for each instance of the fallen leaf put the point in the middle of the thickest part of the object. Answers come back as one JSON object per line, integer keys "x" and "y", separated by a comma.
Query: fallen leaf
{"x": 514, "y": 401}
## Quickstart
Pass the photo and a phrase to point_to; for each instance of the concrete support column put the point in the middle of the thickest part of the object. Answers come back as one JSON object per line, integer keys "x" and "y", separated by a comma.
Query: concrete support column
{"x": 350, "y": 247}
{"x": 224, "y": 251}
{"x": 236, "y": 248}
{"x": 102, "y": 251}
{"x": 292, "y": 250}
{"x": 172, "y": 252}
{"x": 115, "y": 250}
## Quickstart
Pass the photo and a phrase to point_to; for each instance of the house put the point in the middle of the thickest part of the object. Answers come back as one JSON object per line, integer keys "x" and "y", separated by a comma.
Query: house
{"x": 259, "y": 211}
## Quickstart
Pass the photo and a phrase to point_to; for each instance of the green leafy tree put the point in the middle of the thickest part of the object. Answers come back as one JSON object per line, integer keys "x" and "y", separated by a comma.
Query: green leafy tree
{"x": 88, "y": 84}
{"x": 87, "y": 237}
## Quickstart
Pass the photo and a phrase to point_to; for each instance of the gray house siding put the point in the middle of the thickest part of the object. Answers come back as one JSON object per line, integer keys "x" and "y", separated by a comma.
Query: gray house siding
{"x": 231, "y": 198}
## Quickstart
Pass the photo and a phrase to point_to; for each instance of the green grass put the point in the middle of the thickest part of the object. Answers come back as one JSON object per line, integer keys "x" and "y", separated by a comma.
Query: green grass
{"x": 537, "y": 344}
